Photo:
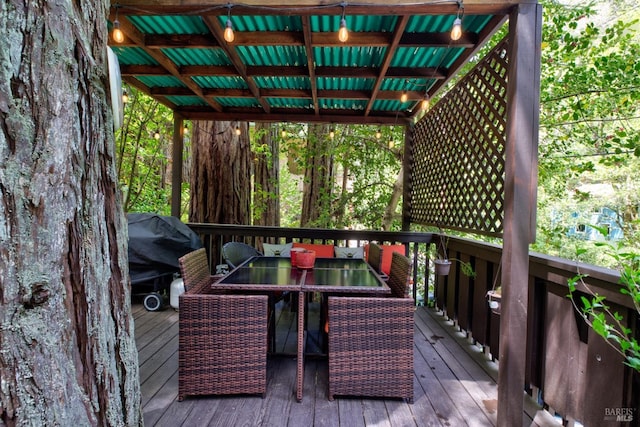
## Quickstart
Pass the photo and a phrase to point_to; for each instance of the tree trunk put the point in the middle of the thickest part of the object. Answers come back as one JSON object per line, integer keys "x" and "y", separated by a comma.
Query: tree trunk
{"x": 266, "y": 195}
{"x": 221, "y": 173}
{"x": 318, "y": 178}
{"x": 396, "y": 194}
{"x": 68, "y": 354}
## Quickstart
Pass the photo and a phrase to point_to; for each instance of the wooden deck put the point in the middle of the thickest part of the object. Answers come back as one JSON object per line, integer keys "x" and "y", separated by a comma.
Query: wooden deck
{"x": 455, "y": 383}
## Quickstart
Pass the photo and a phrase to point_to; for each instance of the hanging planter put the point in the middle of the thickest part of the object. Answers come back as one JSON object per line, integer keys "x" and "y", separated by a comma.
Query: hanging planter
{"x": 442, "y": 266}
{"x": 494, "y": 298}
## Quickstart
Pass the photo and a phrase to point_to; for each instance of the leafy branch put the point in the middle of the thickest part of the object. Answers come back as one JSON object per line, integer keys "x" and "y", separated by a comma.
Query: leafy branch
{"x": 599, "y": 316}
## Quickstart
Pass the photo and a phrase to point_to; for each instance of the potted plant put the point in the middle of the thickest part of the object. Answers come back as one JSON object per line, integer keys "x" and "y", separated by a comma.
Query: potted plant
{"x": 442, "y": 262}
{"x": 494, "y": 298}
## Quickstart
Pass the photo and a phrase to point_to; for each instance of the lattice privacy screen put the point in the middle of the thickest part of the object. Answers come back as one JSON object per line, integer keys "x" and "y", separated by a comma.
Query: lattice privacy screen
{"x": 458, "y": 153}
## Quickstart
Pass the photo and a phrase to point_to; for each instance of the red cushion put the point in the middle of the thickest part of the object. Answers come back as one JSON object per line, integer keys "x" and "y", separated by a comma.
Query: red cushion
{"x": 322, "y": 251}
{"x": 387, "y": 250}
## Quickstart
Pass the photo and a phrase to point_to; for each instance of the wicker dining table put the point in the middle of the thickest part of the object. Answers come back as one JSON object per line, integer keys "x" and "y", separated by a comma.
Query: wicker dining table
{"x": 348, "y": 276}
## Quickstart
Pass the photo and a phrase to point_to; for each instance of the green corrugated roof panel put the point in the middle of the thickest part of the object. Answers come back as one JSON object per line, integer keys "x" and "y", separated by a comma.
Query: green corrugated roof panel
{"x": 216, "y": 82}
{"x": 169, "y": 24}
{"x": 331, "y": 23}
{"x": 415, "y": 57}
{"x": 388, "y": 105}
{"x": 360, "y": 56}
{"x": 342, "y": 104}
{"x": 184, "y": 57}
{"x": 290, "y": 102}
{"x": 443, "y": 23}
{"x": 344, "y": 83}
{"x": 430, "y": 23}
{"x": 263, "y": 23}
{"x": 289, "y": 56}
{"x": 237, "y": 102}
{"x": 264, "y": 82}
{"x": 133, "y": 56}
{"x": 405, "y": 84}
{"x": 161, "y": 81}
{"x": 475, "y": 23}
{"x": 187, "y": 101}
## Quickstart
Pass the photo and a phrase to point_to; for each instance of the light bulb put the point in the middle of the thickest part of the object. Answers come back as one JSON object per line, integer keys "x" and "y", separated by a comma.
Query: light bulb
{"x": 156, "y": 135}
{"x": 425, "y": 104}
{"x": 456, "y": 31}
{"x": 331, "y": 134}
{"x": 238, "y": 132}
{"x": 284, "y": 133}
{"x": 185, "y": 129}
{"x": 343, "y": 33}
{"x": 228, "y": 32}
{"x": 125, "y": 97}
{"x": 118, "y": 35}
{"x": 378, "y": 134}
{"x": 391, "y": 143}
{"x": 404, "y": 97}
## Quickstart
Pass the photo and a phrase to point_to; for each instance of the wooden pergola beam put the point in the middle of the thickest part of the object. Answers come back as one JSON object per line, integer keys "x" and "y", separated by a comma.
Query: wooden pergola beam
{"x": 313, "y": 7}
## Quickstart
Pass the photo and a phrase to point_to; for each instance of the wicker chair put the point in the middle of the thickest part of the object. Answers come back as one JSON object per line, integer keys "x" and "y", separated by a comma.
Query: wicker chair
{"x": 222, "y": 343}
{"x": 399, "y": 275}
{"x": 235, "y": 253}
{"x": 371, "y": 342}
{"x": 374, "y": 258}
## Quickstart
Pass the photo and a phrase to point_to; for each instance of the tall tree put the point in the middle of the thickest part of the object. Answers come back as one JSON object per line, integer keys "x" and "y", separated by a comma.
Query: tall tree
{"x": 68, "y": 354}
{"x": 221, "y": 173}
{"x": 266, "y": 194}
{"x": 318, "y": 178}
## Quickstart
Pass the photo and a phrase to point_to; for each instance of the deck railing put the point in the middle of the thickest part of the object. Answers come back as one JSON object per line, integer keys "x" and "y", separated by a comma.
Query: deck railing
{"x": 569, "y": 369}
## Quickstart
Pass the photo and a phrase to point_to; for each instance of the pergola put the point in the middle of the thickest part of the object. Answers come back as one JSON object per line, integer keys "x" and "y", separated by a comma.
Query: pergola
{"x": 286, "y": 63}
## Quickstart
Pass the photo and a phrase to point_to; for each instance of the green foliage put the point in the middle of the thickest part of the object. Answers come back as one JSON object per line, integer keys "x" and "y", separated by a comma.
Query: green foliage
{"x": 367, "y": 164}
{"x": 593, "y": 307}
{"x": 142, "y": 157}
{"x": 590, "y": 122}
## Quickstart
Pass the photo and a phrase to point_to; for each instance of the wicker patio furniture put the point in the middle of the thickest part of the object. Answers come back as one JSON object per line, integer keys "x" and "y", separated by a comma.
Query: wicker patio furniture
{"x": 222, "y": 343}
{"x": 374, "y": 257}
{"x": 371, "y": 341}
{"x": 235, "y": 253}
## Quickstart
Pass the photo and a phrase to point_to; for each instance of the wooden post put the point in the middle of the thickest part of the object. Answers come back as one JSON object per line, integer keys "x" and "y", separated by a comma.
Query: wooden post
{"x": 407, "y": 162}
{"x": 523, "y": 99}
{"x": 176, "y": 165}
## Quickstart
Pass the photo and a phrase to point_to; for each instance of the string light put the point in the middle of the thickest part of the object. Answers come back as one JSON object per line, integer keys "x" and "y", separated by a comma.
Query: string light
{"x": 456, "y": 30}
{"x": 125, "y": 97}
{"x": 238, "y": 132}
{"x": 332, "y": 133}
{"x": 404, "y": 96}
{"x": 117, "y": 34}
{"x": 391, "y": 143}
{"x": 283, "y": 133}
{"x": 343, "y": 32}
{"x": 229, "y": 36}
{"x": 424, "y": 105}
{"x": 156, "y": 134}
{"x": 378, "y": 134}
{"x": 185, "y": 129}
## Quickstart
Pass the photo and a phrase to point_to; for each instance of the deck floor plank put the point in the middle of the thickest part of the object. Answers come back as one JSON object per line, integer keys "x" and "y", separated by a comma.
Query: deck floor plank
{"x": 456, "y": 382}
{"x": 450, "y": 384}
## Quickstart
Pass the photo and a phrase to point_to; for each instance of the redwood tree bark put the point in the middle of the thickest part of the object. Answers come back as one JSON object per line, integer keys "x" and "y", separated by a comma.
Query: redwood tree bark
{"x": 67, "y": 348}
{"x": 221, "y": 173}
{"x": 318, "y": 178}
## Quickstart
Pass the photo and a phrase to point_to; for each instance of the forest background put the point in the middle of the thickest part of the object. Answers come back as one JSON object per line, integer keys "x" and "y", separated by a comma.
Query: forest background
{"x": 589, "y": 147}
